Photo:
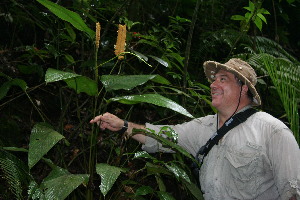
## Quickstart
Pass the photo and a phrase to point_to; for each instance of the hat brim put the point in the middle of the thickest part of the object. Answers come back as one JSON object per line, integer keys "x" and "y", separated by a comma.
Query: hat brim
{"x": 212, "y": 67}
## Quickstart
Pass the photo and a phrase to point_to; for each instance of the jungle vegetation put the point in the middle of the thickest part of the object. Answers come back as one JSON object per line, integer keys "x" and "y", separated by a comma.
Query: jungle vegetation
{"x": 64, "y": 62}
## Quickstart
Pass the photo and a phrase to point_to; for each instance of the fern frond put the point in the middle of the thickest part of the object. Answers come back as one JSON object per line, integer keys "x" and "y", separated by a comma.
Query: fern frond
{"x": 14, "y": 172}
{"x": 265, "y": 45}
{"x": 285, "y": 76}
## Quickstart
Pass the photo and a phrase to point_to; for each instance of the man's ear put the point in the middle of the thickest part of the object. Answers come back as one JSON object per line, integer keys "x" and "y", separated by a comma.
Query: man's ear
{"x": 244, "y": 89}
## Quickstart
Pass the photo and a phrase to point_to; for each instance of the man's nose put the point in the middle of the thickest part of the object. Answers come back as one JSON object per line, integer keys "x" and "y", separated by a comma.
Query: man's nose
{"x": 213, "y": 84}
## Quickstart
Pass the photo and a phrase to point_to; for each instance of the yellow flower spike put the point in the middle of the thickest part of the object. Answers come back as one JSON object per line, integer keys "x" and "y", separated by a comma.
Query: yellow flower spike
{"x": 97, "y": 41}
{"x": 120, "y": 45}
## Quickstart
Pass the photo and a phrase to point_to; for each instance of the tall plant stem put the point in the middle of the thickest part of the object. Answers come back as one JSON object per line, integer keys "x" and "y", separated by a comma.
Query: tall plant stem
{"x": 93, "y": 149}
{"x": 188, "y": 48}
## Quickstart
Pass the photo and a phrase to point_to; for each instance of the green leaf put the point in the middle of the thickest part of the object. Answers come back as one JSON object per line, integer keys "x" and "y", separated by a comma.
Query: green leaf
{"x": 83, "y": 84}
{"x": 251, "y": 6}
{"x": 143, "y": 154}
{"x": 14, "y": 82}
{"x": 168, "y": 143}
{"x": 77, "y": 82}
{"x": 258, "y": 23}
{"x": 238, "y": 17}
{"x": 165, "y": 196}
{"x": 68, "y": 16}
{"x": 42, "y": 139}
{"x": 153, "y": 169}
{"x": 140, "y": 55}
{"x": 155, "y": 99}
{"x": 144, "y": 190}
{"x": 109, "y": 175}
{"x": 178, "y": 172}
{"x": 116, "y": 82}
{"x": 60, "y": 187}
{"x": 161, "y": 61}
{"x": 262, "y": 17}
{"x": 53, "y": 75}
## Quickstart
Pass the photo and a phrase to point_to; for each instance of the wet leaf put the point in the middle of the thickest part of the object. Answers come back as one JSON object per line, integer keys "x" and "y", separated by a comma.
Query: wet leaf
{"x": 143, "y": 154}
{"x": 60, "y": 187}
{"x": 109, "y": 175}
{"x": 53, "y": 75}
{"x": 42, "y": 139}
{"x": 178, "y": 172}
{"x": 155, "y": 99}
{"x": 128, "y": 82}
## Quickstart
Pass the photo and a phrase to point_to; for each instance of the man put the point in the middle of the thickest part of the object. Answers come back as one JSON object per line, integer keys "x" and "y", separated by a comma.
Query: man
{"x": 257, "y": 159}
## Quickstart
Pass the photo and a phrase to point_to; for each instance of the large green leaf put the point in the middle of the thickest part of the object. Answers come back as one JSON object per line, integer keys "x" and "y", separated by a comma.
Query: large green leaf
{"x": 109, "y": 175}
{"x": 14, "y": 82}
{"x": 60, "y": 187}
{"x": 155, "y": 99}
{"x": 42, "y": 139}
{"x": 83, "y": 84}
{"x": 178, "y": 172}
{"x": 116, "y": 82}
{"x": 53, "y": 75}
{"x": 75, "y": 81}
{"x": 68, "y": 16}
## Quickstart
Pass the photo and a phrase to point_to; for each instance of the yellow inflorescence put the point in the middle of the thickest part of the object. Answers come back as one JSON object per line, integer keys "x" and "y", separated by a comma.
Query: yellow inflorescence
{"x": 120, "y": 45}
{"x": 97, "y": 41}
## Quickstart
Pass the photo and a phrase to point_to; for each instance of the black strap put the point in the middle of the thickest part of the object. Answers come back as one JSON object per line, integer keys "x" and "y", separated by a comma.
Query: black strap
{"x": 229, "y": 124}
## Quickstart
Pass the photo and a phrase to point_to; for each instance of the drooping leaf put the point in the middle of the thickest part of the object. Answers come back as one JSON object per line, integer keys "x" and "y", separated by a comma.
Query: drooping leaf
{"x": 155, "y": 99}
{"x": 258, "y": 23}
{"x": 8, "y": 84}
{"x": 109, "y": 175}
{"x": 140, "y": 55}
{"x": 42, "y": 139}
{"x": 53, "y": 75}
{"x": 178, "y": 172}
{"x": 83, "y": 84}
{"x": 68, "y": 16}
{"x": 161, "y": 61}
{"x": 116, "y": 82}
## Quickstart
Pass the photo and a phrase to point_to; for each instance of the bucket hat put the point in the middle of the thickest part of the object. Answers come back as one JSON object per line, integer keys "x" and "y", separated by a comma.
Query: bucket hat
{"x": 241, "y": 69}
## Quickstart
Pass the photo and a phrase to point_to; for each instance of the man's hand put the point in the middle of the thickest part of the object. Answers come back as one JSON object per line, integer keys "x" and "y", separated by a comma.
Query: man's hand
{"x": 108, "y": 121}
{"x": 114, "y": 123}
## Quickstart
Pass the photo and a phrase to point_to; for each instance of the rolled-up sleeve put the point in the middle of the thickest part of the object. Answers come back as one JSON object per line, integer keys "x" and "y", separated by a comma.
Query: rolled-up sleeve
{"x": 284, "y": 156}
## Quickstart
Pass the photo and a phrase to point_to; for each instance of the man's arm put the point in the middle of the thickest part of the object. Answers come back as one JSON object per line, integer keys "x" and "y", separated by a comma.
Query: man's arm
{"x": 114, "y": 123}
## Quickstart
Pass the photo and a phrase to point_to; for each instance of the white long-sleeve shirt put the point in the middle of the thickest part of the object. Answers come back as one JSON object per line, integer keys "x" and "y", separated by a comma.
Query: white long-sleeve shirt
{"x": 259, "y": 159}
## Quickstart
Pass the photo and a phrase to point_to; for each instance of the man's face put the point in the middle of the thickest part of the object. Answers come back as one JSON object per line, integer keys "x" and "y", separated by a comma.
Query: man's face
{"x": 225, "y": 91}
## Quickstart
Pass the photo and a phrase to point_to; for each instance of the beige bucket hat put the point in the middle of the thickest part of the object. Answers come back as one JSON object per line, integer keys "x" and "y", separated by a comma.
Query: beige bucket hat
{"x": 238, "y": 67}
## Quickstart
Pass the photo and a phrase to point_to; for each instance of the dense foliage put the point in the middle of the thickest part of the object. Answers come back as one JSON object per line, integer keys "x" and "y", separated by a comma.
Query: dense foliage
{"x": 54, "y": 78}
